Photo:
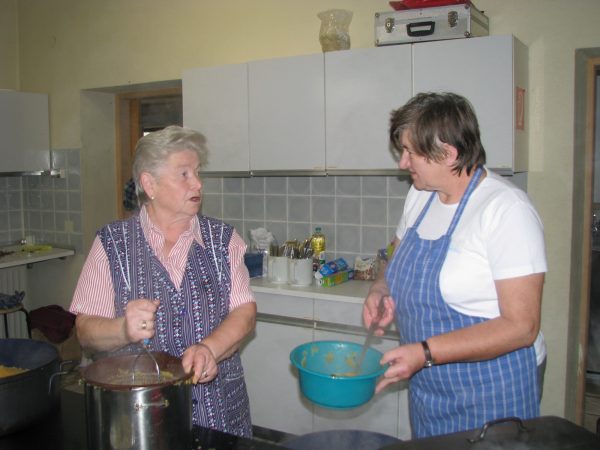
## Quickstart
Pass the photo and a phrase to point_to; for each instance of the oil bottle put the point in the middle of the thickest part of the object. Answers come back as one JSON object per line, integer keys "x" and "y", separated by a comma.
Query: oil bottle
{"x": 317, "y": 244}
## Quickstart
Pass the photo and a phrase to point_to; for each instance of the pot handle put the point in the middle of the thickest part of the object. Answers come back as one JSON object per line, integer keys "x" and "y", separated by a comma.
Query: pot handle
{"x": 142, "y": 406}
{"x": 491, "y": 423}
{"x": 60, "y": 373}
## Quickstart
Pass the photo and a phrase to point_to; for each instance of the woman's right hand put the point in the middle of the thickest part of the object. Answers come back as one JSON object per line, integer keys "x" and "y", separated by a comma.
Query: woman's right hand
{"x": 373, "y": 314}
{"x": 139, "y": 321}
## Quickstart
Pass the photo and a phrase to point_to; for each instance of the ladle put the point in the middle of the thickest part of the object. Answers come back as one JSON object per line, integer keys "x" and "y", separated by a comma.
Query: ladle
{"x": 370, "y": 334}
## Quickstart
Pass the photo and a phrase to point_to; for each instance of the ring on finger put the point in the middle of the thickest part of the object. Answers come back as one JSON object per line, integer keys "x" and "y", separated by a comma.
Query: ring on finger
{"x": 204, "y": 374}
{"x": 144, "y": 324}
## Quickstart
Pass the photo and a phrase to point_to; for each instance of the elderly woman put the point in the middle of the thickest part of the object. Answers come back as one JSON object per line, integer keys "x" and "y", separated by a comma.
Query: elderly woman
{"x": 465, "y": 281}
{"x": 174, "y": 277}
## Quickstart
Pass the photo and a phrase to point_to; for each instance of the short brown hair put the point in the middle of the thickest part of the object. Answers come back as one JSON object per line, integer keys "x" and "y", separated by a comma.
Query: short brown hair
{"x": 435, "y": 118}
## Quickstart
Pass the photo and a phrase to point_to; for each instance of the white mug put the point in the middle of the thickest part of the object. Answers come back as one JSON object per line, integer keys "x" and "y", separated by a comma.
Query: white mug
{"x": 278, "y": 269}
{"x": 300, "y": 272}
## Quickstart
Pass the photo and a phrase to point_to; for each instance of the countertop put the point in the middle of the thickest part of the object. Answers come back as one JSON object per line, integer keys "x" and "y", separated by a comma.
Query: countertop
{"x": 21, "y": 257}
{"x": 352, "y": 291}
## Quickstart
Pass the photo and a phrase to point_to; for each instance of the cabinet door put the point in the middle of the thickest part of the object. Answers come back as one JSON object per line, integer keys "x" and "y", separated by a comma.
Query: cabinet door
{"x": 215, "y": 102}
{"x": 482, "y": 70}
{"x": 385, "y": 413}
{"x": 24, "y": 127}
{"x": 362, "y": 87}
{"x": 287, "y": 114}
{"x": 275, "y": 398}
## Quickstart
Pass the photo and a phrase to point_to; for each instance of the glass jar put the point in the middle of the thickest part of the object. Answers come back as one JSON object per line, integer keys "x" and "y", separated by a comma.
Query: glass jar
{"x": 333, "y": 34}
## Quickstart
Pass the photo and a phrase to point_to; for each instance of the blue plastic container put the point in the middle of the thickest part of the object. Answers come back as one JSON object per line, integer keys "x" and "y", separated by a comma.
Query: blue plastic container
{"x": 254, "y": 263}
{"x": 327, "y": 373}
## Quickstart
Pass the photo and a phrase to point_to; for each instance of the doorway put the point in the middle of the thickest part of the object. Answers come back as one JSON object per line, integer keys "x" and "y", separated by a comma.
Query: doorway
{"x": 587, "y": 64}
{"x": 138, "y": 113}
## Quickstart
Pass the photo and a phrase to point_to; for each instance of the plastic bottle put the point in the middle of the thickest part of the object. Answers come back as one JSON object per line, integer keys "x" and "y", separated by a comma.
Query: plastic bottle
{"x": 317, "y": 244}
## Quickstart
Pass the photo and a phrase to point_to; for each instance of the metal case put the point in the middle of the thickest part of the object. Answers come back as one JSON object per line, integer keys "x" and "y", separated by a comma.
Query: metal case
{"x": 430, "y": 24}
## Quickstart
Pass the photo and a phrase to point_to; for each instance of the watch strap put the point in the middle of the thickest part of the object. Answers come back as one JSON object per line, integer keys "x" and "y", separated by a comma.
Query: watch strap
{"x": 428, "y": 358}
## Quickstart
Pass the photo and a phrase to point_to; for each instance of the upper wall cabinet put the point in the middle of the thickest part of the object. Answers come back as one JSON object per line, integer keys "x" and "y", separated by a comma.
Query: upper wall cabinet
{"x": 492, "y": 73}
{"x": 287, "y": 114}
{"x": 24, "y": 131}
{"x": 330, "y": 113}
{"x": 362, "y": 87}
{"x": 215, "y": 102}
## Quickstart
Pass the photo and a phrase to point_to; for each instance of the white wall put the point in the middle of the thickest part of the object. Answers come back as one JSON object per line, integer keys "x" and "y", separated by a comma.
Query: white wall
{"x": 69, "y": 45}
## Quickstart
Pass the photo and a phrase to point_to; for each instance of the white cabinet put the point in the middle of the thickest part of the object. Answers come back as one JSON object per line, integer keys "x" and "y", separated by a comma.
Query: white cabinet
{"x": 215, "y": 103}
{"x": 330, "y": 113}
{"x": 287, "y": 114}
{"x": 362, "y": 87}
{"x": 273, "y": 382}
{"x": 24, "y": 127}
{"x": 492, "y": 73}
{"x": 275, "y": 398}
{"x": 386, "y": 412}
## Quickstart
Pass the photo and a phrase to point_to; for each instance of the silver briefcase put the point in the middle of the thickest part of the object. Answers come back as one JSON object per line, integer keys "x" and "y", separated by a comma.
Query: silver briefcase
{"x": 430, "y": 24}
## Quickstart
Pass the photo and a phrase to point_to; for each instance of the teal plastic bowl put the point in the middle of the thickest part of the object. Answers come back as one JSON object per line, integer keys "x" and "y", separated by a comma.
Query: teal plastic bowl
{"x": 327, "y": 373}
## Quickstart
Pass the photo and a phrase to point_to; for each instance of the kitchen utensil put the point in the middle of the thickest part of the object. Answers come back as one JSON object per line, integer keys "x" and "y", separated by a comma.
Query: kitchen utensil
{"x": 144, "y": 346}
{"x": 29, "y": 396}
{"x": 327, "y": 376}
{"x": 370, "y": 334}
{"x": 144, "y": 415}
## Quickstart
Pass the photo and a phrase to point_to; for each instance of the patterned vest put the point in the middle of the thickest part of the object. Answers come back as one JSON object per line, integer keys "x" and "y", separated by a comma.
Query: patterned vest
{"x": 186, "y": 315}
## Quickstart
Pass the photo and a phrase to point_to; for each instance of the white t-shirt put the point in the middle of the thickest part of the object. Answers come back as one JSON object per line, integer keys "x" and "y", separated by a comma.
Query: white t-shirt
{"x": 499, "y": 236}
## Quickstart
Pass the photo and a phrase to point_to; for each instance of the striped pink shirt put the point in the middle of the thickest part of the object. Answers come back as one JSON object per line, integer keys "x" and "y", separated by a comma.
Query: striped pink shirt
{"x": 95, "y": 295}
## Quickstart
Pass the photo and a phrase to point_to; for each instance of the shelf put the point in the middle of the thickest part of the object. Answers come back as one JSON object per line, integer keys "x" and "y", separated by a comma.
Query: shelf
{"x": 21, "y": 258}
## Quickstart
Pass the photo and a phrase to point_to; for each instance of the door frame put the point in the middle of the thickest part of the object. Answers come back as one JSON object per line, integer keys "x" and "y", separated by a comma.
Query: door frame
{"x": 128, "y": 131}
{"x": 587, "y": 64}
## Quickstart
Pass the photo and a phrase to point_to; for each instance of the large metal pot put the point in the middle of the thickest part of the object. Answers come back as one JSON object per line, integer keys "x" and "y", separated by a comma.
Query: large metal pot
{"x": 122, "y": 413}
{"x": 29, "y": 396}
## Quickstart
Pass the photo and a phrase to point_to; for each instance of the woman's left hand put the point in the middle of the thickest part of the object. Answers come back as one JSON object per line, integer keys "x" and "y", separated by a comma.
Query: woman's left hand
{"x": 404, "y": 361}
{"x": 200, "y": 360}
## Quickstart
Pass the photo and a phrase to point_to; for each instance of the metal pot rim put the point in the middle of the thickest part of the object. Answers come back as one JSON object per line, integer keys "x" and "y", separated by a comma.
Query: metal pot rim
{"x": 166, "y": 361}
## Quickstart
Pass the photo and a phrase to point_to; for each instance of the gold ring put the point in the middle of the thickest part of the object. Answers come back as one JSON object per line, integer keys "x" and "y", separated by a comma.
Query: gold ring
{"x": 144, "y": 324}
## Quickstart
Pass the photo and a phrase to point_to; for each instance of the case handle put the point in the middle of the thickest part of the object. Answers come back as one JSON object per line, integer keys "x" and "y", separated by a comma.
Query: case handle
{"x": 416, "y": 33}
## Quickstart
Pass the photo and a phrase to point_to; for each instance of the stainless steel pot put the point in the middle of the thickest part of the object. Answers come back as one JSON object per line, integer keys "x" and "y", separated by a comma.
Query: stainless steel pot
{"x": 125, "y": 413}
{"x": 29, "y": 396}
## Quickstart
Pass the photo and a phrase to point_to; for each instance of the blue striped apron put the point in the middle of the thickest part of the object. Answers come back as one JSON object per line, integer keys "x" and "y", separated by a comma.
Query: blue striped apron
{"x": 186, "y": 314}
{"x": 461, "y": 396}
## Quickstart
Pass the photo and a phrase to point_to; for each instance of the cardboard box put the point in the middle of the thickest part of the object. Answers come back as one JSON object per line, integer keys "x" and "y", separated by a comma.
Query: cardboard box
{"x": 336, "y": 278}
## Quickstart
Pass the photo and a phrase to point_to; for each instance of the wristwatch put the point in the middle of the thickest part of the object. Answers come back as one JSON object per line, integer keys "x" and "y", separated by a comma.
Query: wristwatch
{"x": 428, "y": 358}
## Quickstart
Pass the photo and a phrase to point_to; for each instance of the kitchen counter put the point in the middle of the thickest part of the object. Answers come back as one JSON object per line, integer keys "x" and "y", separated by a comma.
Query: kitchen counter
{"x": 21, "y": 258}
{"x": 353, "y": 291}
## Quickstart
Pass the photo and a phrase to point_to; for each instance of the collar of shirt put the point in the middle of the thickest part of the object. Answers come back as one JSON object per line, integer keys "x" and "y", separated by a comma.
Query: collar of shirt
{"x": 156, "y": 238}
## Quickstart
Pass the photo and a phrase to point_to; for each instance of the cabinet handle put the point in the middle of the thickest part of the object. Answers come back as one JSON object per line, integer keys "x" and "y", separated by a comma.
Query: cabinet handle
{"x": 320, "y": 325}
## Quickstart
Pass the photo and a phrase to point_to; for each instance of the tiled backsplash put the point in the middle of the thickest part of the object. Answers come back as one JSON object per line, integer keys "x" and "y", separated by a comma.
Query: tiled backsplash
{"x": 357, "y": 214}
{"x": 47, "y": 208}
